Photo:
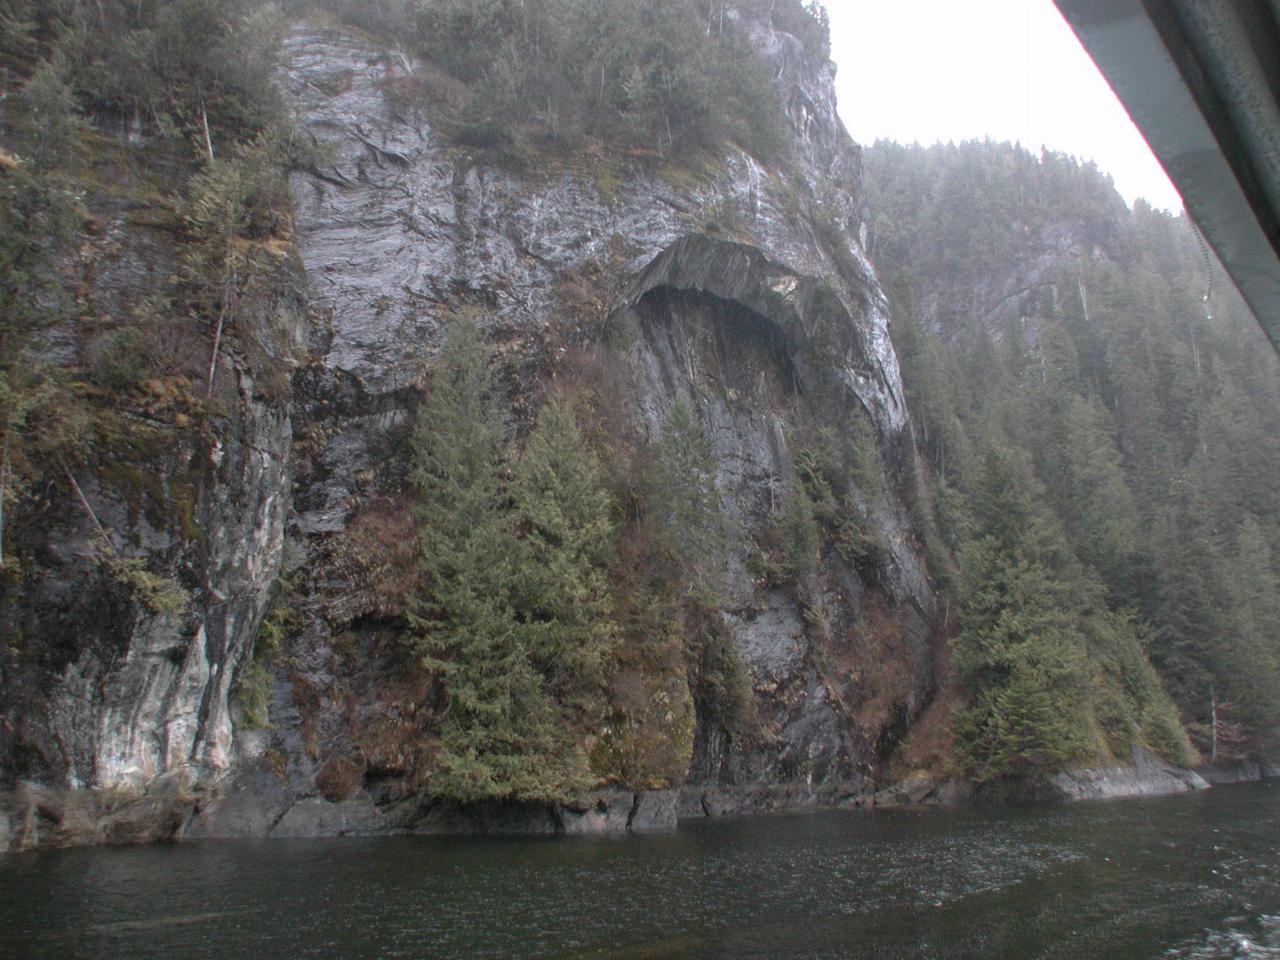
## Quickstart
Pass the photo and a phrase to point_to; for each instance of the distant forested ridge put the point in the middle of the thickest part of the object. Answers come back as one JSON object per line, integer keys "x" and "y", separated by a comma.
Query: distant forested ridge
{"x": 1100, "y": 419}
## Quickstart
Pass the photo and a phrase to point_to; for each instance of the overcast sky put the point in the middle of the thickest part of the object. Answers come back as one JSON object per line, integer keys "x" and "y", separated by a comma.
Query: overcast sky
{"x": 939, "y": 70}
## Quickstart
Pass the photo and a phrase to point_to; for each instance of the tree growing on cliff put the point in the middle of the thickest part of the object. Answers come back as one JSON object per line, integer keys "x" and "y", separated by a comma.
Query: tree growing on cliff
{"x": 1050, "y": 675}
{"x": 685, "y": 502}
{"x": 1247, "y": 658}
{"x": 652, "y": 76}
{"x": 503, "y": 734}
{"x": 53, "y": 125}
{"x": 1147, "y": 414}
{"x": 235, "y": 202}
{"x": 562, "y": 594}
{"x": 40, "y": 217}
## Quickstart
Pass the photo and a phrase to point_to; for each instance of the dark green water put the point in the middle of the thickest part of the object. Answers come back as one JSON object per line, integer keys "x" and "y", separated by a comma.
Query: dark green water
{"x": 1182, "y": 877}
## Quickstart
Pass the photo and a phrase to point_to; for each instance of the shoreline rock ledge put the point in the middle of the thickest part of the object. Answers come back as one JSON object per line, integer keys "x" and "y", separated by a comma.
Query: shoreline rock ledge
{"x": 1148, "y": 777}
{"x": 36, "y": 817}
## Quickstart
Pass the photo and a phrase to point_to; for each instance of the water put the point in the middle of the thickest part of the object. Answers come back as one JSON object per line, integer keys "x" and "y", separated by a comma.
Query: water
{"x": 1180, "y": 878}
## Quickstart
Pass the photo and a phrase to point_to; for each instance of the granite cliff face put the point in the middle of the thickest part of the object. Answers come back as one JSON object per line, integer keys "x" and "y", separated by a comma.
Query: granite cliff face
{"x": 740, "y": 290}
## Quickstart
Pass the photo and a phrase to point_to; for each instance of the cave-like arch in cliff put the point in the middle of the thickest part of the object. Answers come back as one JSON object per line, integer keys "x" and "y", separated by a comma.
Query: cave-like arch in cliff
{"x": 804, "y": 312}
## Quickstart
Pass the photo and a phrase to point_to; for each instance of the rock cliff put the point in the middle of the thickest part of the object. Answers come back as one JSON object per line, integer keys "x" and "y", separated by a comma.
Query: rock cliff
{"x": 741, "y": 290}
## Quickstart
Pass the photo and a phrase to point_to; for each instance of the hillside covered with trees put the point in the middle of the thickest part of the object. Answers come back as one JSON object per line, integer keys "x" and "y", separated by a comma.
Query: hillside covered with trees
{"x": 1098, "y": 414}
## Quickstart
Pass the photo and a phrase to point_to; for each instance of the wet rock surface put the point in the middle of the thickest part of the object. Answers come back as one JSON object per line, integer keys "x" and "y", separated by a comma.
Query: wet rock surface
{"x": 1149, "y": 776}
{"x": 34, "y": 816}
{"x": 738, "y": 290}
{"x": 320, "y": 818}
{"x": 113, "y": 693}
{"x": 710, "y": 800}
{"x": 250, "y": 807}
{"x": 1244, "y": 772}
{"x": 610, "y": 812}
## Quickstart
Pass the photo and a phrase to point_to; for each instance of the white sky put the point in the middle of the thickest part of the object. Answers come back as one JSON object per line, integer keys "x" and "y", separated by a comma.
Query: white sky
{"x": 939, "y": 70}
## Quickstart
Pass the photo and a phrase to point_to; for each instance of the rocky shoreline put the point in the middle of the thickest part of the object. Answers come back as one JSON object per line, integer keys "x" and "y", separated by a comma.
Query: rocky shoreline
{"x": 258, "y": 806}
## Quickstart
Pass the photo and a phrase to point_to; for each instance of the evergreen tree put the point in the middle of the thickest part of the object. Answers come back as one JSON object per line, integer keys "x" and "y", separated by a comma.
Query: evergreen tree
{"x": 661, "y": 76}
{"x": 1051, "y": 674}
{"x": 40, "y": 217}
{"x": 685, "y": 501}
{"x": 503, "y": 734}
{"x": 1082, "y": 473}
{"x": 53, "y": 124}
{"x": 203, "y": 67}
{"x": 801, "y": 539}
{"x": 1022, "y": 658}
{"x": 1248, "y": 659}
{"x": 562, "y": 590}
{"x": 240, "y": 196}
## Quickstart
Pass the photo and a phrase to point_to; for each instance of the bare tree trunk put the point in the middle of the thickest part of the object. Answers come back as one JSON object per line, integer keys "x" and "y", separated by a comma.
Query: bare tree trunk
{"x": 1213, "y": 715}
{"x": 217, "y": 344}
{"x": 89, "y": 510}
{"x": 227, "y": 286}
{"x": 1208, "y": 273}
{"x": 204, "y": 122}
